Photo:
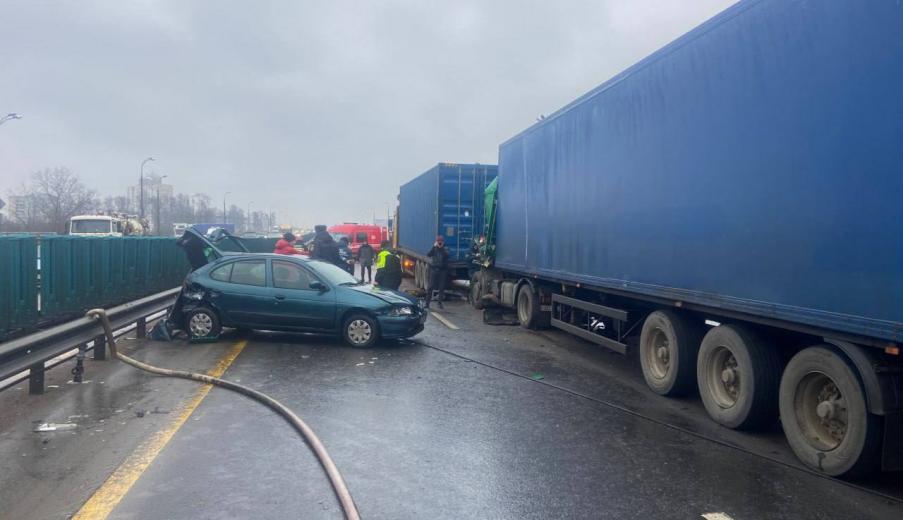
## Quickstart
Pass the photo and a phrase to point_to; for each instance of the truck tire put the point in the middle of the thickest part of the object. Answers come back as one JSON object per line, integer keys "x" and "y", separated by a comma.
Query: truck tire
{"x": 738, "y": 377}
{"x": 825, "y": 417}
{"x": 420, "y": 273}
{"x": 424, "y": 276}
{"x": 476, "y": 292}
{"x": 668, "y": 347}
{"x": 527, "y": 307}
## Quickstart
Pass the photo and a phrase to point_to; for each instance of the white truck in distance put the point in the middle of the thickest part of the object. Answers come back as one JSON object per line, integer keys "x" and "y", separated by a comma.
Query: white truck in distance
{"x": 113, "y": 225}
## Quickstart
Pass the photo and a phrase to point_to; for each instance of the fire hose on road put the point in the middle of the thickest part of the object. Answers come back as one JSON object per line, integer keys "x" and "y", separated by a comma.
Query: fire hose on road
{"x": 335, "y": 478}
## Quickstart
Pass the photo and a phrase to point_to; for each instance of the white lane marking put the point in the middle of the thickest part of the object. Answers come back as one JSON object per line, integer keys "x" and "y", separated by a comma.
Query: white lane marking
{"x": 716, "y": 516}
{"x": 444, "y": 320}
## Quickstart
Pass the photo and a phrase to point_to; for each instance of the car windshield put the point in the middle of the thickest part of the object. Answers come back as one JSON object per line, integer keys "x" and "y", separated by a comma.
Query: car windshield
{"x": 332, "y": 274}
{"x": 91, "y": 226}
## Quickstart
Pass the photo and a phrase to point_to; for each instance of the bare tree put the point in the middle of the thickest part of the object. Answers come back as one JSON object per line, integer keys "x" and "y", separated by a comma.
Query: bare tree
{"x": 58, "y": 195}
{"x": 118, "y": 203}
{"x": 203, "y": 211}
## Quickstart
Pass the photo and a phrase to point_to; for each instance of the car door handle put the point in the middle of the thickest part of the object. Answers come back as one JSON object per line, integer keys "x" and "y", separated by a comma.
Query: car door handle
{"x": 280, "y": 297}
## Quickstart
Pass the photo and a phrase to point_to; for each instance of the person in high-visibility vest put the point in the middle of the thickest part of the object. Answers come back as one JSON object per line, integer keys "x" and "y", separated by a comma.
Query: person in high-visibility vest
{"x": 388, "y": 268}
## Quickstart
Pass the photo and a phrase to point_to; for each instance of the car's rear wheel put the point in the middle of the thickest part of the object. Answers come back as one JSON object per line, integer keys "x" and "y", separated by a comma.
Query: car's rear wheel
{"x": 360, "y": 331}
{"x": 203, "y": 323}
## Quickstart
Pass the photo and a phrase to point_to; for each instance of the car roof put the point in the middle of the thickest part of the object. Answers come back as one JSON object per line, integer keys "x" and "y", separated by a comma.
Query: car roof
{"x": 232, "y": 255}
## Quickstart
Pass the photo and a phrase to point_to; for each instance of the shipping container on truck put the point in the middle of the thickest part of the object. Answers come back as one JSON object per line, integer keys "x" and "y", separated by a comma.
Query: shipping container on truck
{"x": 445, "y": 200}
{"x": 732, "y": 203}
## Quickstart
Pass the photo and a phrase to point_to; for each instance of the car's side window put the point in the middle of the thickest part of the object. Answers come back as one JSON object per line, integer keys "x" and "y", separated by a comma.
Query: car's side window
{"x": 361, "y": 237}
{"x": 287, "y": 275}
{"x": 249, "y": 273}
{"x": 222, "y": 274}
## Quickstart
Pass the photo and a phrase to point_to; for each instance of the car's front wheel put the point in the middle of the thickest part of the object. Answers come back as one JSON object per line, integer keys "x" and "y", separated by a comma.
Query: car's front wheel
{"x": 203, "y": 323}
{"x": 360, "y": 331}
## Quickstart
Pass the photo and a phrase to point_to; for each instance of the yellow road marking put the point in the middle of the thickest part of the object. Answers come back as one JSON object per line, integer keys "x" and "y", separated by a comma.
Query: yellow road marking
{"x": 108, "y": 496}
{"x": 445, "y": 321}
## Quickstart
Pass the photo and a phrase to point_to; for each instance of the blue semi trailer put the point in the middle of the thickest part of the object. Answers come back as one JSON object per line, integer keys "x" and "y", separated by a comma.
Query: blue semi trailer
{"x": 734, "y": 204}
{"x": 445, "y": 200}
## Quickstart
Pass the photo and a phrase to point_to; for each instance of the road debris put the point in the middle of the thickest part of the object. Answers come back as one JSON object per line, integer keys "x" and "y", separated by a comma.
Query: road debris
{"x": 55, "y": 427}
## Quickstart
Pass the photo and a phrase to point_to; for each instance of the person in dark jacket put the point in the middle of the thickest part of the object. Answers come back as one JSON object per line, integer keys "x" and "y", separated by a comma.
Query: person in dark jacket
{"x": 365, "y": 256}
{"x": 388, "y": 268}
{"x": 438, "y": 256}
{"x": 324, "y": 246}
{"x": 286, "y": 245}
{"x": 346, "y": 259}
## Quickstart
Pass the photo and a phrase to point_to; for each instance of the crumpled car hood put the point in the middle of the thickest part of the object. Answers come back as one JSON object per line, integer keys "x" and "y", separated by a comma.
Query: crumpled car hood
{"x": 386, "y": 295}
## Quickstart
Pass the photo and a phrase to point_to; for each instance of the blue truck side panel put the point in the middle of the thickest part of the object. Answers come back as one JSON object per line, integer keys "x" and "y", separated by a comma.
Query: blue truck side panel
{"x": 445, "y": 200}
{"x": 755, "y": 164}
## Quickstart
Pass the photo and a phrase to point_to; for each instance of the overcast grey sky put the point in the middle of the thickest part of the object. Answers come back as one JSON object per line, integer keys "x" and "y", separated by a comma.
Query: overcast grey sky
{"x": 316, "y": 110}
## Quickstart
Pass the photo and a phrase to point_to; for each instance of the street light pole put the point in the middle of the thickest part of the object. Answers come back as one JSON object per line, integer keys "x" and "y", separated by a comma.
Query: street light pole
{"x": 141, "y": 187}
{"x": 11, "y": 115}
{"x": 248, "y": 217}
{"x": 157, "y": 218}
{"x": 225, "y": 219}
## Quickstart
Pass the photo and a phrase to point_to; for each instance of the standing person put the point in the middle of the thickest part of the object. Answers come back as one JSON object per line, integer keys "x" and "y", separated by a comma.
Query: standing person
{"x": 324, "y": 246}
{"x": 438, "y": 256}
{"x": 388, "y": 268}
{"x": 365, "y": 257}
{"x": 346, "y": 259}
{"x": 286, "y": 245}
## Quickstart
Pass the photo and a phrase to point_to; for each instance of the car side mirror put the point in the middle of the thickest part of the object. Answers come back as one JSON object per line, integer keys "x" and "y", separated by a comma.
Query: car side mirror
{"x": 317, "y": 285}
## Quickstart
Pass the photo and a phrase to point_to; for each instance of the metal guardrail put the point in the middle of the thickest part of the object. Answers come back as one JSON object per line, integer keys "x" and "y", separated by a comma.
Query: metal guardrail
{"x": 32, "y": 352}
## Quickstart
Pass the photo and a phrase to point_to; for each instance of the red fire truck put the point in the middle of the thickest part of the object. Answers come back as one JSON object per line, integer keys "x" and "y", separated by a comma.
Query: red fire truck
{"x": 357, "y": 234}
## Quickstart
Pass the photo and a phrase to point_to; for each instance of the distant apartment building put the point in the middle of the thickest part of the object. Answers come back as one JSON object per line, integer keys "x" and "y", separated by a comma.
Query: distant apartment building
{"x": 153, "y": 187}
{"x": 21, "y": 208}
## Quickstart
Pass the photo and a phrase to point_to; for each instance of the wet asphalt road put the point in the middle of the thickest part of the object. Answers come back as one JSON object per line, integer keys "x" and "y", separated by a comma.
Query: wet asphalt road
{"x": 480, "y": 422}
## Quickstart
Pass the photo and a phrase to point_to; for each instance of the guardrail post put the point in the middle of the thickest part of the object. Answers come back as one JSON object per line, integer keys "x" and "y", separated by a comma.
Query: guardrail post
{"x": 141, "y": 328}
{"x": 79, "y": 371}
{"x": 36, "y": 378}
{"x": 100, "y": 348}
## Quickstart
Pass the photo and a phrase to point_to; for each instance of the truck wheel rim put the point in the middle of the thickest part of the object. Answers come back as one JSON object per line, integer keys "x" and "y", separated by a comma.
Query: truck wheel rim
{"x": 723, "y": 377}
{"x": 359, "y": 331}
{"x": 658, "y": 354}
{"x": 821, "y": 411}
{"x": 201, "y": 324}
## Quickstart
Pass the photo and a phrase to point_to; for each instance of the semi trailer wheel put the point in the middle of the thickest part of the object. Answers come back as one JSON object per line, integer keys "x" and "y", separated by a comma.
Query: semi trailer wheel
{"x": 418, "y": 277}
{"x": 668, "y": 347}
{"x": 476, "y": 292}
{"x": 738, "y": 377}
{"x": 825, "y": 417}
{"x": 527, "y": 307}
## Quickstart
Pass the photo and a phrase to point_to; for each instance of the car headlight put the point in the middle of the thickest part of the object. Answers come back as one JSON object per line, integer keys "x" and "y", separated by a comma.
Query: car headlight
{"x": 401, "y": 311}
